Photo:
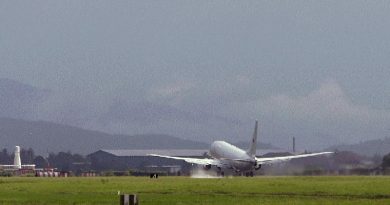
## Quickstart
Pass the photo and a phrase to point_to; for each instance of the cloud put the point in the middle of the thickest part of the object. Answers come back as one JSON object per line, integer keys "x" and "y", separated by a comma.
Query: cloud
{"x": 225, "y": 109}
{"x": 322, "y": 117}
{"x": 328, "y": 102}
{"x": 171, "y": 93}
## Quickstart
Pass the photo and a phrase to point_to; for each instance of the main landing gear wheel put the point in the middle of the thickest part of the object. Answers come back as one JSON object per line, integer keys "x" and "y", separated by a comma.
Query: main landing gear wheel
{"x": 249, "y": 174}
{"x": 220, "y": 172}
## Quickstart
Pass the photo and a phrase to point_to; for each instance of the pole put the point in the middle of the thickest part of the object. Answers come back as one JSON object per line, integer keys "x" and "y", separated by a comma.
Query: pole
{"x": 293, "y": 144}
{"x": 128, "y": 199}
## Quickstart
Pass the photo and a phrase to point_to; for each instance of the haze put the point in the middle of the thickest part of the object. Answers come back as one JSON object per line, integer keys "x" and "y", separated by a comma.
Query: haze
{"x": 204, "y": 70}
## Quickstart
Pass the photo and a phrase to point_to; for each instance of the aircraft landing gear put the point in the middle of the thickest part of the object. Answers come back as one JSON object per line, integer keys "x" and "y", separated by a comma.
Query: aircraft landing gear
{"x": 249, "y": 174}
{"x": 220, "y": 172}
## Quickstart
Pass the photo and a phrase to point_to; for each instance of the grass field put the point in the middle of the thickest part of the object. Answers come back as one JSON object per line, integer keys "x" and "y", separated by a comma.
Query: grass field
{"x": 185, "y": 190}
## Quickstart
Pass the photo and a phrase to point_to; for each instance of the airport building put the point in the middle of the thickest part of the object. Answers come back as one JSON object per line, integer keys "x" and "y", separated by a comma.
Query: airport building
{"x": 124, "y": 160}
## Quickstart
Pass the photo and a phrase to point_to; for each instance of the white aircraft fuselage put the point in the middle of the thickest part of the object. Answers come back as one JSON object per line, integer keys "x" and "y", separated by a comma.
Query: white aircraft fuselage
{"x": 238, "y": 159}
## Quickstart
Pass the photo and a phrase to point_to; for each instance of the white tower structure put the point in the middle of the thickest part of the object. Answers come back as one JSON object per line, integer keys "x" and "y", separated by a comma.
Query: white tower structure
{"x": 17, "y": 161}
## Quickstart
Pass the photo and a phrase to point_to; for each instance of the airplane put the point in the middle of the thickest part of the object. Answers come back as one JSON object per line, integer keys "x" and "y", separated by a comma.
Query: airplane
{"x": 17, "y": 162}
{"x": 227, "y": 156}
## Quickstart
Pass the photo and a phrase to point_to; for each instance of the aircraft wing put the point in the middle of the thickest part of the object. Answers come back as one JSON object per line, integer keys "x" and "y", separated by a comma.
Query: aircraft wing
{"x": 270, "y": 160}
{"x": 192, "y": 160}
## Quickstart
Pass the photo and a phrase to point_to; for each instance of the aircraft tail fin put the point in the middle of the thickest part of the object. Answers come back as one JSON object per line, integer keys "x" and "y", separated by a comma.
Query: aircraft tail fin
{"x": 252, "y": 145}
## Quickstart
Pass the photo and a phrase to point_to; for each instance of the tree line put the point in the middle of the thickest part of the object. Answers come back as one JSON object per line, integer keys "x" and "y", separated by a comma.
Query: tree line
{"x": 77, "y": 163}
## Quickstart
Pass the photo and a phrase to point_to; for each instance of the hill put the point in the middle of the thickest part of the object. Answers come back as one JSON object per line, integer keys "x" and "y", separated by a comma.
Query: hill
{"x": 46, "y": 136}
{"x": 367, "y": 148}
{"x": 18, "y": 100}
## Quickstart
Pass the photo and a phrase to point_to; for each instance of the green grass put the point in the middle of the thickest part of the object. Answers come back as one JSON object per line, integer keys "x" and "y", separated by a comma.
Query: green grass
{"x": 184, "y": 190}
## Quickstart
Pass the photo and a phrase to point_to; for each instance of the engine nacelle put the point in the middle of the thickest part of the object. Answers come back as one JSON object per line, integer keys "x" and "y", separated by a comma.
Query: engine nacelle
{"x": 257, "y": 166}
{"x": 207, "y": 166}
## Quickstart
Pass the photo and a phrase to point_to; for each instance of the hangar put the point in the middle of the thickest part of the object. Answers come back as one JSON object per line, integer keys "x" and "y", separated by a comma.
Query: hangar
{"x": 124, "y": 160}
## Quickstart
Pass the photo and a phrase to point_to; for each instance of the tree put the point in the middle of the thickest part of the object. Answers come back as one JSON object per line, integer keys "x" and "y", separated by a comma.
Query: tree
{"x": 40, "y": 162}
{"x": 5, "y": 158}
{"x": 66, "y": 161}
{"x": 386, "y": 161}
{"x": 27, "y": 156}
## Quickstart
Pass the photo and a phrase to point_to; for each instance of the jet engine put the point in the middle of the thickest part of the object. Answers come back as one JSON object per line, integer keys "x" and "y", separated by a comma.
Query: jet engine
{"x": 207, "y": 166}
{"x": 257, "y": 166}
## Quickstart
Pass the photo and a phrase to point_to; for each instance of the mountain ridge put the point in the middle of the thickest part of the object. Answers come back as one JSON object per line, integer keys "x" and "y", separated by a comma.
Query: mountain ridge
{"x": 43, "y": 137}
{"x": 19, "y": 100}
{"x": 367, "y": 148}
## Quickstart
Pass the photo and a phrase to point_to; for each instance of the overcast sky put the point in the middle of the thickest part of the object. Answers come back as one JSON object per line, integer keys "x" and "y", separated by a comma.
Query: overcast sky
{"x": 317, "y": 70}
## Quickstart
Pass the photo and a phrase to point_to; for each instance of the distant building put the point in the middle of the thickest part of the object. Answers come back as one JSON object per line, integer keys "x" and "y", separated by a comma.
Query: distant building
{"x": 124, "y": 160}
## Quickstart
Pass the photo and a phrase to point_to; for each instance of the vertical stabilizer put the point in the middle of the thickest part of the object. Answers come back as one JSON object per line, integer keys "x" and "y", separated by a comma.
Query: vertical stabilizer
{"x": 252, "y": 146}
{"x": 17, "y": 161}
